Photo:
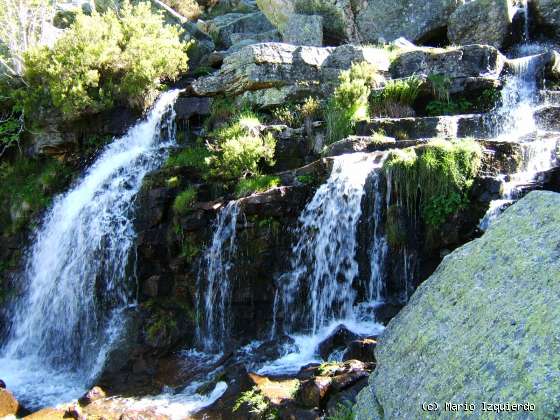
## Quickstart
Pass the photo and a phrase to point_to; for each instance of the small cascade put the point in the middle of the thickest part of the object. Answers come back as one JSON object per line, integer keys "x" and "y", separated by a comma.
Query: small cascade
{"x": 214, "y": 282}
{"x": 319, "y": 287}
{"x": 79, "y": 273}
{"x": 376, "y": 287}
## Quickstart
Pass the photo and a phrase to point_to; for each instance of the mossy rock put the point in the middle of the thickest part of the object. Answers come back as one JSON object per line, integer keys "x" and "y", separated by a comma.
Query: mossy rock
{"x": 483, "y": 328}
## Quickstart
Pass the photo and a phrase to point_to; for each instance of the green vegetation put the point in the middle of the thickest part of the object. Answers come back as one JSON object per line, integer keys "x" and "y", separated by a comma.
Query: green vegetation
{"x": 395, "y": 228}
{"x": 349, "y": 102}
{"x": 161, "y": 327}
{"x": 105, "y": 59}
{"x": 436, "y": 178}
{"x": 194, "y": 157}
{"x": 240, "y": 150}
{"x": 295, "y": 115}
{"x": 26, "y": 187}
{"x": 396, "y": 98}
{"x": 257, "y": 404}
{"x": 327, "y": 368}
{"x": 259, "y": 183}
{"x": 342, "y": 412}
{"x": 451, "y": 107}
{"x": 184, "y": 201}
{"x": 306, "y": 179}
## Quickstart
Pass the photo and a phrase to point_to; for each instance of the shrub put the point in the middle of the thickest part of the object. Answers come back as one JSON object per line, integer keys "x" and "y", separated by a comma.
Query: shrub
{"x": 187, "y": 8}
{"x": 311, "y": 108}
{"x": 184, "y": 201}
{"x": 289, "y": 115}
{"x": 105, "y": 59}
{"x": 450, "y": 107}
{"x": 349, "y": 102}
{"x": 255, "y": 184}
{"x": 342, "y": 412}
{"x": 257, "y": 404}
{"x": 435, "y": 178}
{"x": 240, "y": 149}
{"x": 397, "y": 97}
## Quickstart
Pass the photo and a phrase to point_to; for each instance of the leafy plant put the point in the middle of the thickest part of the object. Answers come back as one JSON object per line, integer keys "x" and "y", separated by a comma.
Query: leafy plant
{"x": 257, "y": 404}
{"x": 240, "y": 149}
{"x": 105, "y": 59}
{"x": 259, "y": 183}
{"x": 289, "y": 115}
{"x": 184, "y": 201}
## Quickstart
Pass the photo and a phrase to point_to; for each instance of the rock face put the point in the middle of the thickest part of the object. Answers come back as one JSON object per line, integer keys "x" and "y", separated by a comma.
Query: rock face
{"x": 8, "y": 404}
{"x": 548, "y": 12}
{"x": 483, "y": 327}
{"x": 481, "y": 22}
{"x": 416, "y": 20}
{"x": 304, "y": 30}
{"x": 224, "y": 28}
{"x": 273, "y": 73}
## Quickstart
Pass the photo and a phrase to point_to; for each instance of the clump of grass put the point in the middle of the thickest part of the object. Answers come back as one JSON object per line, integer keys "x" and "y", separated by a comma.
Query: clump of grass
{"x": 342, "y": 412}
{"x": 435, "y": 179}
{"x": 255, "y": 184}
{"x": 397, "y": 98}
{"x": 184, "y": 201}
{"x": 195, "y": 157}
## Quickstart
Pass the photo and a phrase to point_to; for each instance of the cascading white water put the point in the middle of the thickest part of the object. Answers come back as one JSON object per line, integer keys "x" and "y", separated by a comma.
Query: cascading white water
{"x": 214, "y": 283}
{"x": 323, "y": 264}
{"x": 79, "y": 272}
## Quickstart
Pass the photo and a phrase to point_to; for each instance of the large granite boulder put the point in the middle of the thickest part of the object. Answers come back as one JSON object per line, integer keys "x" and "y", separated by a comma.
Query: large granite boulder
{"x": 416, "y": 20}
{"x": 304, "y": 30}
{"x": 273, "y": 73}
{"x": 223, "y": 28}
{"x": 481, "y": 22}
{"x": 482, "y": 329}
{"x": 339, "y": 16}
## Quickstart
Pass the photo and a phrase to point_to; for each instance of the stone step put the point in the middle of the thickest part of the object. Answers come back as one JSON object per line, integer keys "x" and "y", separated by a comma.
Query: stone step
{"x": 547, "y": 117}
{"x": 456, "y": 126}
{"x": 549, "y": 97}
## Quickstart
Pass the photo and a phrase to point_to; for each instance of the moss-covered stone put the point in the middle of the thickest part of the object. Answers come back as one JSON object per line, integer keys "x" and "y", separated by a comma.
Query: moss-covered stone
{"x": 483, "y": 328}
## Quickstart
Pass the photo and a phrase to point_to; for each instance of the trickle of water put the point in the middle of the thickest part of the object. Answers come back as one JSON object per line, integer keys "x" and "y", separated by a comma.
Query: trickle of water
{"x": 323, "y": 264}
{"x": 78, "y": 272}
{"x": 214, "y": 282}
{"x": 376, "y": 287}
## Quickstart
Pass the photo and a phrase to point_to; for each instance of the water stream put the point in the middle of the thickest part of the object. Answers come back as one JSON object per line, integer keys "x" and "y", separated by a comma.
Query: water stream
{"x": 79, "y": 273}
{"x": 214, "y": 282}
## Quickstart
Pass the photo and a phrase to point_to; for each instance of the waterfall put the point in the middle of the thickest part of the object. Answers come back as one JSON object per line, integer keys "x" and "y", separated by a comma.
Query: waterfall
{"x": 79, "y": 272}
{"x": 214, "y": 283}
{"x": 323, "y": 263}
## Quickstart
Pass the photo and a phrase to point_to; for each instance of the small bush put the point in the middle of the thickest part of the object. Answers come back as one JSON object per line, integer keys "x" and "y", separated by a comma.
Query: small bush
{"x": 435, "y": 178}
{"x": 102, "y": 60}
{"x": 240, "y": 150}
{"x": 259, "y": 183}
{"x": 451, "y": 107}
{"x": 184, "y": 201}
{"x": 349, "y": 102}
{"x": 289, "y": 115}
{"x": 187, "y": 8}
{"x": 397, "y": 98}
{"x": 311, "y": 108}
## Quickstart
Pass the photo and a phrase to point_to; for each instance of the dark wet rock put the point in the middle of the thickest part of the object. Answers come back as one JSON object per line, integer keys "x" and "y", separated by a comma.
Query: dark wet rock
{"x": 314, "y": 391}
{"x": 2, "y": 384}
{"x": 187, "y": 107}
{"x": 339, "y": 338}
{"x": 273, "y": 349}
{"x": 355, "y": 144}
{"x": 548, "y": 117}
{"x": 548, "y": 14}
{"x": 346, "y": 397}
{"x": 427, "y": 127}
{"x": 362, "y": 350}
{"x": 94, "y": 394}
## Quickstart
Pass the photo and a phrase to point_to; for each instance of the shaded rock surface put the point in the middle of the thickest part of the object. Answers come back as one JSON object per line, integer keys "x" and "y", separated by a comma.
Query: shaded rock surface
{"x": 482, "y": 22}
{"x": 482, "y": 327}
